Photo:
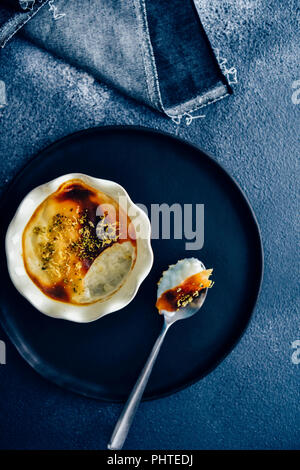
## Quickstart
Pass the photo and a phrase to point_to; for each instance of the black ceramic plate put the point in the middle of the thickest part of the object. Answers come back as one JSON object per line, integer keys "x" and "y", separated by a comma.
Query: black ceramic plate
{"x": 103, "y": 359}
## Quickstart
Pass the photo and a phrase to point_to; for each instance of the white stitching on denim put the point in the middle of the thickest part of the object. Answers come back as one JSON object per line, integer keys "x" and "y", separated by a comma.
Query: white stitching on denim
{"x": 140, "y": 23}
{"x": 196, "y": 108}
{"x": 209, "y": 102}
{"x": 230, "y": 73}
{"x": 15, "y": 31}
{"x": 179, "y": 117}
{"x": 29, "y": 16}
{"x": 27, "y": 6}
{"x": 155, "y": 74}
{"x": 152, "y": 57}
{"x": 55, "y": 13}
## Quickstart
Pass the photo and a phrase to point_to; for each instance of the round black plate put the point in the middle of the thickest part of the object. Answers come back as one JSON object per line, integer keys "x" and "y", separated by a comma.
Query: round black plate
{"x": 103, "y": 359}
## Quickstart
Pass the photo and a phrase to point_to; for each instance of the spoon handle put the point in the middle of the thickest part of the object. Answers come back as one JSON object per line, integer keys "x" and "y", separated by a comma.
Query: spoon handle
{"x": 124, "y": 422}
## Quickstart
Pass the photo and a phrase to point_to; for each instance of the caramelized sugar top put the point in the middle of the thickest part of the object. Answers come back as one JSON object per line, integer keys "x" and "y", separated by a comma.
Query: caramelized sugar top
{"x": 181, "y": 295}
{"x": 67, "y": 232}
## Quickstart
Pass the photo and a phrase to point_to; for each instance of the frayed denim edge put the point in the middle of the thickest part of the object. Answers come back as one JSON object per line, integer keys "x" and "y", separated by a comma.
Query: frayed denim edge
{"x": 14, "y": 24}
{"x": 219, "y": 92}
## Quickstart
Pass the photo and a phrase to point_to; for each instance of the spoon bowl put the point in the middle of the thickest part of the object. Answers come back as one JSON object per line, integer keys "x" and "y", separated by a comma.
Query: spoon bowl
{"x": 185, "y": 312}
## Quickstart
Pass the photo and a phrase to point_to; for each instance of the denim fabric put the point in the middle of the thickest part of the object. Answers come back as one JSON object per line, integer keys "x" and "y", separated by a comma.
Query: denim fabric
{"x": 11, "y": 21}
{"x": 187, "y": 71}
{"x": 153, "y": 50}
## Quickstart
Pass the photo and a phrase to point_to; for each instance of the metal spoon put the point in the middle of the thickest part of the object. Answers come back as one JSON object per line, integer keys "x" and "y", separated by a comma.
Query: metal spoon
{"x": 124, "y": 422}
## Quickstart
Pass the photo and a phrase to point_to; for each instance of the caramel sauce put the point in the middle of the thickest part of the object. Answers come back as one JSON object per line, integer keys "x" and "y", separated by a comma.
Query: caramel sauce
{"x": 61, "y": 240}
{"x": 181, "y": 295}
{"x": 57, "y": 292}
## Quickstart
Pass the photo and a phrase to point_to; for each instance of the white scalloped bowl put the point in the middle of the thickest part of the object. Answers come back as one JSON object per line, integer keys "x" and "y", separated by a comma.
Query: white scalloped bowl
{"x": 68, "y": 311}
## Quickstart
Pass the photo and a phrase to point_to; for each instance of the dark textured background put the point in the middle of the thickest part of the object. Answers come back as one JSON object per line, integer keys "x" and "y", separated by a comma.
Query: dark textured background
{"x": 252, "y": 399}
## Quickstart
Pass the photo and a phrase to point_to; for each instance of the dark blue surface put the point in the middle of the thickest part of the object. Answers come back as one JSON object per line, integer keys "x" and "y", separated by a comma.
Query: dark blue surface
{"x": 103, "y": 359}
{"x": 252, "y": 399}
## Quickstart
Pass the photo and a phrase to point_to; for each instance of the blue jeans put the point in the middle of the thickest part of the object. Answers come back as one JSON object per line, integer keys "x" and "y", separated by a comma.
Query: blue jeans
{"x": 155, "y": 51}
